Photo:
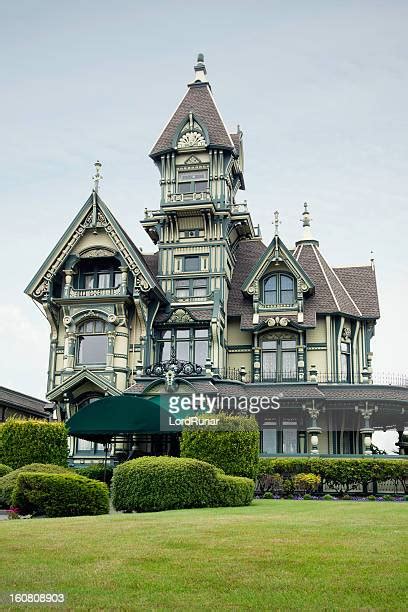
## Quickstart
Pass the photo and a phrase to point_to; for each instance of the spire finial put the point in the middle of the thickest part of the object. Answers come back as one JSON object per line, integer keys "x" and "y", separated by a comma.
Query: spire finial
{"x": 98, "y": 176}
{"x": 307, "y": 232}
{"x": 306, "y": 216}
{"x": 200, "y": 70}
{"x": 277, "y": 222}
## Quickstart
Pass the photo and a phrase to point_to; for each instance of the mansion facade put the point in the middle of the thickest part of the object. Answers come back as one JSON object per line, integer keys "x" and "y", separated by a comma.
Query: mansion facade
{"x": 214, "y": 309}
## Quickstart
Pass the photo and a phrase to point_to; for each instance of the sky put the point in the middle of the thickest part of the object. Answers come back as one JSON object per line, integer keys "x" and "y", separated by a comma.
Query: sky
{"x": 319, "y": 89}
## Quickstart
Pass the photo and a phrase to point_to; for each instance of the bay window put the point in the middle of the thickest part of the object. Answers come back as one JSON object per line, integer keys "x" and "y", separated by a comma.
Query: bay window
{"x": 92, "y": 342}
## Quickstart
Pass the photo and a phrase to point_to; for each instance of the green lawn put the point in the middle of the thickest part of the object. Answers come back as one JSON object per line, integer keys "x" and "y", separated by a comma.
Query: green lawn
{"x": 271, "y": 555}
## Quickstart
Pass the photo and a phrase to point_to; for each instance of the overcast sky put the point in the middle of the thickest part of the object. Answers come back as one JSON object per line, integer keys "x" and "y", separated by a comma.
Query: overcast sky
{"x": 319, "y": 89}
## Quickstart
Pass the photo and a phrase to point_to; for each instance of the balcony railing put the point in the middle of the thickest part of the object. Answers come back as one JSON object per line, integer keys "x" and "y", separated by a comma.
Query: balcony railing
{"x": 377, "y": 378}
{"x": 98, "y": 292}
{"x": 189, "y": 197}
{"x": 193, "y": 298}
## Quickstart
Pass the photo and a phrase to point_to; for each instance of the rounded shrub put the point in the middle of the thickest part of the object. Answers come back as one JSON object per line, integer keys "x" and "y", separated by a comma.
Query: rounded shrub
{"x": 33, "y": 441}
{"x": 371, "y": 498}
{"x": 234, "y": 491}
{"x": 306, "y": 482}
{"x": 59, "y": 495}
{"x": 151, "y": 484}
{"x": 346, "y": 497}
{"x": 8, "y": 482}
{"x": 4, "y": 469}
{"x": 328, "y": 497}
{"x": 232, "y": 445}
{"x": 307, "y": 496}
{"x": 268, "y": 495}
{"x": 96, "y": 472}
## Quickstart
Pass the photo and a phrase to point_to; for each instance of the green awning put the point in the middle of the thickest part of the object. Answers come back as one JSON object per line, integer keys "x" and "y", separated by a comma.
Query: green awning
{"x": 119, "y": 415}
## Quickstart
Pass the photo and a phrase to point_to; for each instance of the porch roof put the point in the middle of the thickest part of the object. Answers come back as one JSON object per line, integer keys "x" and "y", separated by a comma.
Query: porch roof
{"x": 119, "y": 415}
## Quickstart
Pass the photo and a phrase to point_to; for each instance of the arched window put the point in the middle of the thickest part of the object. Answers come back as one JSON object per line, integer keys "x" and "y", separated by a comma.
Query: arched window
{"x": 279, "y": 289}
{"x": 92, "y": 342}
{"x": 279, "y": 360}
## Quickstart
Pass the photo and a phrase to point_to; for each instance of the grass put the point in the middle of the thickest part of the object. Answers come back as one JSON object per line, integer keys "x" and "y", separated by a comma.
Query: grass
{"x": 272, "y": 555}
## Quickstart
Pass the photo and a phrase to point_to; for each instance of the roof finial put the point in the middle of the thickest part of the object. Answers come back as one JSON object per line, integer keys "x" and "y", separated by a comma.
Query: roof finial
{"x": 277, "y": 222}
{"x": 307, "y": 232}
{"x": 200, "y": 70}
{"x": 98, "y": 176}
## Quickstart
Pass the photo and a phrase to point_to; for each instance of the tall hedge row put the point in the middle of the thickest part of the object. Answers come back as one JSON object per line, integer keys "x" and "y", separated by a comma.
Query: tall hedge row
{"x": 339, "y": 474}
{"x": 33, "y": 441}
{"x": 233, "y": 445}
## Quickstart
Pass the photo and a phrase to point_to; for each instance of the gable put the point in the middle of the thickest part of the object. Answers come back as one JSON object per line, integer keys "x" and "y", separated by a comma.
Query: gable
{"x": 278, "y": 256}
{"x": 93, "y": 215}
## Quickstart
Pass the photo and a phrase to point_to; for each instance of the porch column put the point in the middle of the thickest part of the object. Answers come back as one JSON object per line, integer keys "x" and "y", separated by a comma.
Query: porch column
{"x": 366, "y": 431}
{"x": 314, "y": 430}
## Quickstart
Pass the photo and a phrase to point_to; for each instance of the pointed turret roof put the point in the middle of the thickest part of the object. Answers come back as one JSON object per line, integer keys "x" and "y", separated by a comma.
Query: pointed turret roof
{"x": 350, "y": 291}
{"x": 200, "y": 102}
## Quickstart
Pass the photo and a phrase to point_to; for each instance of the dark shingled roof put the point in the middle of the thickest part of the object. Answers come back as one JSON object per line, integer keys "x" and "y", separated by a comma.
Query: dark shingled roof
{"x": 25, "y": 403}
{"x": 152, "y": 262}
{"x": 361, "y": 284}
{"x": 198, "y": 314}
{"x": 200, "y": 102}
{"x": 247, "y": 254}
{"x": 336, "y": 290}
{"x": 352, "y": 291}
{"x": 236, "y": 139}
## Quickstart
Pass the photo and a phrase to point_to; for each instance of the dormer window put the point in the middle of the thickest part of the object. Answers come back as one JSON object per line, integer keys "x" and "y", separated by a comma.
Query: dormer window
{"x": 192, "y": 181}
{"x": 279, "y": 289}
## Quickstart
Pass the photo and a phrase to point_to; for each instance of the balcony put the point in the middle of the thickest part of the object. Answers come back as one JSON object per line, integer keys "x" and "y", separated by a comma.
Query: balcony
{"x": 194, "y": 299}
{"x": 320, "y": 378}
{"x": 97, "y": 292}
{"x": 200, "y": 196}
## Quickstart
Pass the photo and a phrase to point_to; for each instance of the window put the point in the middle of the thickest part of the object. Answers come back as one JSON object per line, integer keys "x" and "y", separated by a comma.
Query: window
{"x": 279, "y": 289}
{"x": 191, "y": 263}
{"x": 289, "y": 441}
{"x": 85, "y": 446}
{"x": 195, "y": 287}
{"x": 192, "y": 182}
{"x": 189, "y": 345}
{"x": 92, "y": 342}
{"x": 279, "y": 358}
{"x": 345, "y": 371}
{"x": 98, "y": 273}
{"x": 269, "y": 439}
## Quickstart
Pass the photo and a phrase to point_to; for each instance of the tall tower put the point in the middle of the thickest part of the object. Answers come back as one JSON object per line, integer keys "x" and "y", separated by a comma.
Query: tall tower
{"x": 199, "y": 223}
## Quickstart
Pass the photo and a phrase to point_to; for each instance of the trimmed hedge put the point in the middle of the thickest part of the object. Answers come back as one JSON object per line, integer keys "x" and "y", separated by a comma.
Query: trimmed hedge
{"x": 151, "y": 484}
{"x": 59, "y": 495}
{"x": 8, "y": 482}
{"x": 96, "y": 472}
{"x": 235, "y": 490}
{"x": 4, "y": 469}
{"x": 33, "y": 441}
{"x": 235, "y": 451}
{"x": 339, "y": 474}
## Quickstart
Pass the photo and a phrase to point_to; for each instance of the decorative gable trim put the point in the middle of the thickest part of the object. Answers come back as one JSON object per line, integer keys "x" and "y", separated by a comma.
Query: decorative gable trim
{"x": 79, "y": 377}
{"x": 192, "y": 160}
{"x": 276, "y": 252}
{"x": 190, "y": 134}
{"x": 95, "y": 214}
